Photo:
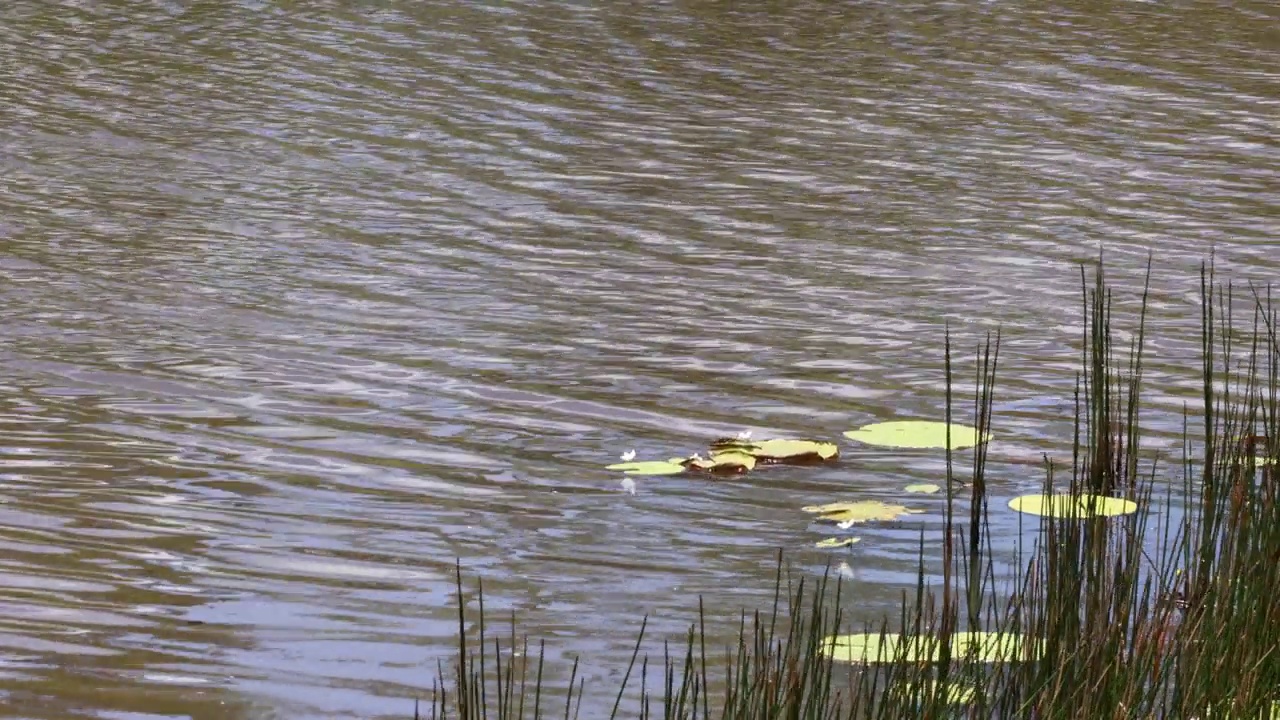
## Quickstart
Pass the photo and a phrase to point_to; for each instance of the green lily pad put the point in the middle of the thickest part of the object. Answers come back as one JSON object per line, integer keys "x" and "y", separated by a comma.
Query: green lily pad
{"x": 917, "y": 434}
{"x": 850, "y": 513}
{"x": 723, "y": 463}
{"x": 649, "y": 467}
{"x": 985, "y": 647}
{"x": 795, "y": 452}
{"x": 835, "y": 542}
{"x": 923, "y": 488}
{"x": 1080, "y": 506}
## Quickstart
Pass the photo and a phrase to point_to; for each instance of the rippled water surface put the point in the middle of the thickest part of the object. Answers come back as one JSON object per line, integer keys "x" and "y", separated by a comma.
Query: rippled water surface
{"x": 303, "y": 301}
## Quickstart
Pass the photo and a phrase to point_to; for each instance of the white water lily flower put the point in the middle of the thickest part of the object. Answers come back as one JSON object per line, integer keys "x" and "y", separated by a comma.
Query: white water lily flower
{"x": 628, "y": 456}
{"x": 744, "y": 435}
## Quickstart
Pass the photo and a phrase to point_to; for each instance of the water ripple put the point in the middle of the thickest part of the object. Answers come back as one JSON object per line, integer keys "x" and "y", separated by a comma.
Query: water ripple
{"x": 304, "y": 303}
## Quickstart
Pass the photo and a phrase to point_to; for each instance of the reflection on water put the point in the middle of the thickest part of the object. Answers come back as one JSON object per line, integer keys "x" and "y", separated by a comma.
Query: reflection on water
{"x": 301, "y": 304}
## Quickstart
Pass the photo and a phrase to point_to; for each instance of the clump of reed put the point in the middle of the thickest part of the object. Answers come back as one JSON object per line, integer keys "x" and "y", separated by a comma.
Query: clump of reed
{"x": 1159, "y": 614}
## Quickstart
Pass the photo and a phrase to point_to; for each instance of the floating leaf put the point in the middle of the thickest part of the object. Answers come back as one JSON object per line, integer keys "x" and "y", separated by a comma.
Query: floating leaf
{"x": 984, "y": 647}
{"x": 917, "y": 434}
{"x": 795, "y": 452}
{"x": 849, "y": 513}
{"x": 1080, "y": 506}
{"x": 833, "y": 542}
{"x": 723, "y": 463}
{"x": 649, "y": 467}
{"x": 925, "y": 488}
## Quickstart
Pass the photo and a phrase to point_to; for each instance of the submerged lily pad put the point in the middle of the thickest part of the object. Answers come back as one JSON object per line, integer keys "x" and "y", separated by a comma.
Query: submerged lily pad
{"x": 917, "y": 434}
{"x": 923, "y": 488}
{"x": 794, "y": 452}
{"x": 850, "y": 513}
{"x": 1065, "y": 505}
{"x": 835, "y": 542}
{"x": 981, "y": 646}
{"x": 723, "y": 463}
{"x": 649, "y": 467}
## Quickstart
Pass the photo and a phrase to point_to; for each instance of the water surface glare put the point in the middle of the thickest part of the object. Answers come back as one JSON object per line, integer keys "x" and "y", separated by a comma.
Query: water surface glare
{"x": 302, "y": 302}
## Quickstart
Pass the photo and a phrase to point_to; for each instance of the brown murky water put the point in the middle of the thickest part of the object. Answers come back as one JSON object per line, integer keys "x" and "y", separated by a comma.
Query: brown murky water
{"x": 302, "y": 302}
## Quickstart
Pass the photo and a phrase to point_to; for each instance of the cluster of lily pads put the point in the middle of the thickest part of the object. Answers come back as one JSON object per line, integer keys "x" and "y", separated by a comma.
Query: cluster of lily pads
{"x": 736, "y": 456}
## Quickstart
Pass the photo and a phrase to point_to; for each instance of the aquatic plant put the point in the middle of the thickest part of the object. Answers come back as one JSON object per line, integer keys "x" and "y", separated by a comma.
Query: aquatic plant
{"x": 795, "y": 452}
{"x": 1150, "y": 614}
{"x": 728, "y": 462}
{"x": 860, "y": 511}
{"x": 1067, "y": 505}
{"x": 674, "y": 466}
{"x": 919, "y": 434}
{"x": 733, "y": 456}
{"x": 869, "y": 648}
{"x": 836, "y": 542}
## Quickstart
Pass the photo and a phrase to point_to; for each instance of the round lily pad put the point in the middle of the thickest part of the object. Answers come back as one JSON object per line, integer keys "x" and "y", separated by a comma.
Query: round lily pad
{"x": 649, "y": 467}
{"x": 1066, "y": 505}
{"x": 923, "y": 488}
{"x": 981, "y": 646}
{"x": 780, "y": 450}
{"x": 836, "y": 542}
{"x": 917, "y": 434}
{"x": 850, "y": 513}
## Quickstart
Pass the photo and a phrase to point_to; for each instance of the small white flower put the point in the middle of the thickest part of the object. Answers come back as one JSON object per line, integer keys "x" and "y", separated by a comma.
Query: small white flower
{"x": 628, "y": 456}
{"x": 629, "y": 485}
{"x": 696, "y": 456}
{"x": 744, "y": 435}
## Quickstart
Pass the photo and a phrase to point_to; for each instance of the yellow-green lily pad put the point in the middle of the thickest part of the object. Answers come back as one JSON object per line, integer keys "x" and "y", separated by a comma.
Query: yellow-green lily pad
{"x": 923, "y": 488}
{"x": 836, "y": 542}
{"x": 1064, "y": 505}
{"x": 850, "y": 513}
{"x": 649, "y": 467}
{"x": 724, "y": 463}
{"x": 795, "y": 452}
{"x": 917, "y": 434}
{"x": 984, "y": 647}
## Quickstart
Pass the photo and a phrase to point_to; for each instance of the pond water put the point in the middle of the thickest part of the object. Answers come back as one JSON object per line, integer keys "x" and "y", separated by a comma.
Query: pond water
{"x": 303, "y": 302}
